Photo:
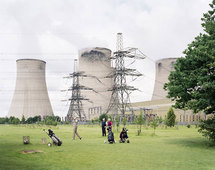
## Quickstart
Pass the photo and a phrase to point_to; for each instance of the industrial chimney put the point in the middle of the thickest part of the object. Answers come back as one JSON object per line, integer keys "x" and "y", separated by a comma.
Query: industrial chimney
{"x": 30, "y": 96}
{"x": 163, "y": 68}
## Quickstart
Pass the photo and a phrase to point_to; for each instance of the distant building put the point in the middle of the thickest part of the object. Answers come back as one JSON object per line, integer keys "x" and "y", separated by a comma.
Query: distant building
{"x": 161, "y": 107}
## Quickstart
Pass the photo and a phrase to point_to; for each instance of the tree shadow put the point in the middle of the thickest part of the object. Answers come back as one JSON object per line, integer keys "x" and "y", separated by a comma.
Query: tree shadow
{"x": 192, "y": 142}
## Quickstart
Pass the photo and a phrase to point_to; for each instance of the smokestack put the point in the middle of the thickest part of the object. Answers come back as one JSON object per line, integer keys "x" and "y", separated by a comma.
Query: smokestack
{"x": 30, "y": 96}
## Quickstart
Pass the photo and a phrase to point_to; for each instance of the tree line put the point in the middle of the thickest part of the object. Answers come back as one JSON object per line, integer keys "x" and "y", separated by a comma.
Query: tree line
{"x": 49, "y": 120}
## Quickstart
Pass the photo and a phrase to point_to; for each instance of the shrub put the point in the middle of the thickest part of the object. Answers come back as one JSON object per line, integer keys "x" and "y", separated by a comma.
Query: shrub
{"x": 170, "y": 119}
{"x": 207, "y": 128}
{"x": 95, "y": 120}
{"x": 51, "y": 120}
{"x": 188, "y": 126}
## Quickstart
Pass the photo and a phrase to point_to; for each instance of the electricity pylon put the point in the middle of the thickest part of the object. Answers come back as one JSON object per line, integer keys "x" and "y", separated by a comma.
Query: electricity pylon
{"x": 120, "y": 98}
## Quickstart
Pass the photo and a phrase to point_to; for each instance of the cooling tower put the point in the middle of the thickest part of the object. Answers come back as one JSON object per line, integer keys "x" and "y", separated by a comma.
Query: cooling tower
{"x": 31, "y": 96}
{"x": 95, "y": 62}
{"x": 163, "y": 68}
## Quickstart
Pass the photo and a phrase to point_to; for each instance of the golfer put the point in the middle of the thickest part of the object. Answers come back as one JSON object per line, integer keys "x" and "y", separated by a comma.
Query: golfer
{"x": 75, "y": 127}
{"x": 103, "y": 127}
{"x": 109, "y": 124}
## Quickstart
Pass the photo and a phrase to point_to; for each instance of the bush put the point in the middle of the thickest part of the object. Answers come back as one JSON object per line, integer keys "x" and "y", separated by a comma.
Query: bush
{"x": 170, "y": 119}
{"x": 51, "y": 120}
{"x": 188, "y": 126}
{"x": 95, "y": 120}
{"x": 207, "y": 128}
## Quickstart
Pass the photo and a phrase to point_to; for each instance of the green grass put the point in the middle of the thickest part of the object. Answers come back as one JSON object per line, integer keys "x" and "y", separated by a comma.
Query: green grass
{"x": 169, "y": 148}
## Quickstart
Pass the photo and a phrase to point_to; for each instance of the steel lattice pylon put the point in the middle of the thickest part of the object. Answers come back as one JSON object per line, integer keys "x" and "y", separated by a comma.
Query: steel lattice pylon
{"x": 76, "y": 108}
{"x": 120, "y": 99}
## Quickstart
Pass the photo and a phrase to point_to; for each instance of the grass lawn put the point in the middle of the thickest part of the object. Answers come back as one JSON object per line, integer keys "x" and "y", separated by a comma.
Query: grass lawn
{"x": 171, "y": 148}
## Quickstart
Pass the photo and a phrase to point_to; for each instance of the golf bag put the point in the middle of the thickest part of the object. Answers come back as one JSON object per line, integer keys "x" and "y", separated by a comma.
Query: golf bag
{"x": 54, "y": 138}
{"x": 111, "y": 137}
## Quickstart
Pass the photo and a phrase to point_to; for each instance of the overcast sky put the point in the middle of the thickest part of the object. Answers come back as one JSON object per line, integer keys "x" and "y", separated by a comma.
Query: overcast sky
{"x": 54, "y": 31}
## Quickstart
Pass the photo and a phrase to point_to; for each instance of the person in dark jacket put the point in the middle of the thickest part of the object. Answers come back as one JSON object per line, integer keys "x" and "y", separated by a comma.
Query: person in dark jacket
{"x": 103, "y": 127}
{"x": 123, "y": 135}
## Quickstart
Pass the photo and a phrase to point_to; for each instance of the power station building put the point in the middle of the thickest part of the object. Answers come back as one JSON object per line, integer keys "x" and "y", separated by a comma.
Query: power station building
{"x": 30, "y": 96}
{"x": 96, "y": 64}
{"x": 160, "y": 104}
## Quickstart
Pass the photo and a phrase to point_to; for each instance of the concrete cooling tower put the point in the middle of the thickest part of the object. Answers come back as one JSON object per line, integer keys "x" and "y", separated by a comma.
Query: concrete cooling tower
{"x": 95, "y": 62}
{"x": 163, "y": 68}
{"x": 31, "y": 96}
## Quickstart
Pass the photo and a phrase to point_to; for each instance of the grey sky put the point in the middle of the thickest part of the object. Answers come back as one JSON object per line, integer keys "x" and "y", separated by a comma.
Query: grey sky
{"x": 54, "y": 31}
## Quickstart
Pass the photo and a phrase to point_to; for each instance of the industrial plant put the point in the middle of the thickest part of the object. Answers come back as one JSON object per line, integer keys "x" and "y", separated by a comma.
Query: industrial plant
{"x": 99, "y": 86}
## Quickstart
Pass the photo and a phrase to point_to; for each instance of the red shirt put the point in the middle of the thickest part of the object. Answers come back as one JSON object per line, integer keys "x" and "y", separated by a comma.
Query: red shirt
{"x": 110, "y": 123}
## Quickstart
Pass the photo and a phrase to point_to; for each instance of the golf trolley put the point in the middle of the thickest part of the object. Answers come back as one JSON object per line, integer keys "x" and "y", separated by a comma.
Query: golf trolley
{"x": 54, "y": 138}
{"x": 110, "y": 136}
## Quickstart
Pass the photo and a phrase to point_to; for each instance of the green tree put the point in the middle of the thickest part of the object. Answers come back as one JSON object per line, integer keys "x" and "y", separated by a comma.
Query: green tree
{"x": 154, "y": 123}
{"x": 13, "y": 120}
{"x": 160, "y": 120}
{"x": 117, "y": 122}
{"x": 124, "y": 121}
{"x": 23, "y": 119}
{"x": 36, "y": 119}
{"x": 29, "y": 120}
{"x": 170, "y": 119}
{"x": 103, "y": 116}
{"x": 207, "y": 128}
{"x": 51, "y": 120}
{"x": 3, "y": 120}
{"x": 110, "y": 117}
{"x": 95, "y": 120}
{"x": 58, "y": 118}
{"x": 140, "y": 120}
{"x": 192, "y": 83}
